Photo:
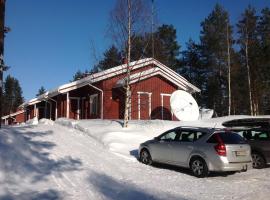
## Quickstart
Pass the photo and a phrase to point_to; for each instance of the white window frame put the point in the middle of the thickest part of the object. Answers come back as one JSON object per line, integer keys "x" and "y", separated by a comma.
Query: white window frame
{"x": 162, "y": 102}
{"x": 149, "y": 102}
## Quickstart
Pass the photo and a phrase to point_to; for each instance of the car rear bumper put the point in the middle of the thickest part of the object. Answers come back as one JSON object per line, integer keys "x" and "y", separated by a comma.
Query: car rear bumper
{"x": 231, "y": 166}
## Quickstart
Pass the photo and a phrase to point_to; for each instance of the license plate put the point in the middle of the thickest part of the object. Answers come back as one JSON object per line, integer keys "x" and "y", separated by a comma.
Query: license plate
{"x": 241, "y": 153}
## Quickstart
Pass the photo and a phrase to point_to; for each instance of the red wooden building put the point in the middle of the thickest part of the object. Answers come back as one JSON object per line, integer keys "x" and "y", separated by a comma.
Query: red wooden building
{"x": 14, "y": 118}
{"x": 102, "y": 94}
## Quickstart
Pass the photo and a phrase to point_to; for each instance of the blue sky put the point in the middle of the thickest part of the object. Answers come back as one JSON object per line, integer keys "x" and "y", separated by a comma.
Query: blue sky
{"x": 50, "y": 40}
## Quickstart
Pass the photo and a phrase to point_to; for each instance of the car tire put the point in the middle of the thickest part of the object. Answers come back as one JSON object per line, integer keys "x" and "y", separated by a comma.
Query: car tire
{"x": 258, "y": 161}
{"x": 199, "y": 167}
{"x": 145, "y": 157}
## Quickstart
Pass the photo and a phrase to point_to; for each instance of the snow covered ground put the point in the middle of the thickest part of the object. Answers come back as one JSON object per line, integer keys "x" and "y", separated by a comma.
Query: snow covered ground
{"x": 95, "y": 159}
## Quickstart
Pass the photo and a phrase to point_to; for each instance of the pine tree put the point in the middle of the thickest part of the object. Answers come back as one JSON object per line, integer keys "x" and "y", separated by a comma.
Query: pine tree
{"x": 112, "y": 58}
{"x": 250, "y": 53}
{"x": 264, "y": 38}
{"x": 167, "y": 48}
{"x": 12, "y": 95}
{"x": 193, "y": 69}
{"x": 215, "y": 58}
{"x": 41, "y": 91}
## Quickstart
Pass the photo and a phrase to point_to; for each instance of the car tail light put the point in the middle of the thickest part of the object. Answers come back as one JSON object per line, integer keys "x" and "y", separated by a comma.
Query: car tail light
{"x": 220, "y": 147}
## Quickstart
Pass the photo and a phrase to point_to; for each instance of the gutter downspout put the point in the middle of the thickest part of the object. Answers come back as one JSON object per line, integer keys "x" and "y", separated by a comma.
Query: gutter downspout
{"x": 101, "y": 91}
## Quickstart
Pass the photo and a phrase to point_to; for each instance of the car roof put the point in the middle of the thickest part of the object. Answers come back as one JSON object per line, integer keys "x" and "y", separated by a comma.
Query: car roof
{"x": 204, "y": 129}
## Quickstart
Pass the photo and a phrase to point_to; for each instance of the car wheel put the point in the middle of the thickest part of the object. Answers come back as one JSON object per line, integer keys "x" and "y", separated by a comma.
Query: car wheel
{"x": 198, "y": 167}
{"x": 258, "y": 161}
{"x": 145, "y": 157}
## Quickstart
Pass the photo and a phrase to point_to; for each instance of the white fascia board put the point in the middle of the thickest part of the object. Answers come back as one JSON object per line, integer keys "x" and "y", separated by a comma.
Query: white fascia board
{"x": 119, "y": 71}
{"x": 33, "y": 101}
{"x": 105, "y": 74}
{"x": 74, "y": 87}
{"x": 176, "y": 75}
{"x": 152, "y": 72}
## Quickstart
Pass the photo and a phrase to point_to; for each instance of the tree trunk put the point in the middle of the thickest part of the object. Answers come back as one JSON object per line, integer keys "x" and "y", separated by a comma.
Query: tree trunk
{"x": 248, "y": 75}
{"x": 229, "y": 71}
{"x": 128, "y": 92}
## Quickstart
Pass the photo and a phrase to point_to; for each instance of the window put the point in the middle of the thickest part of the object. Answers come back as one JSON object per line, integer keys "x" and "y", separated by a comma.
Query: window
{"x": 254, "y": 134}
{"x": 94, "y": 104}
{"x": 226, "y": 138}
{"x": 170, "y": 136}
{"x": 260, "y": 135}
{"x": 186, "y": 136}
{"x": 190, "y": 136}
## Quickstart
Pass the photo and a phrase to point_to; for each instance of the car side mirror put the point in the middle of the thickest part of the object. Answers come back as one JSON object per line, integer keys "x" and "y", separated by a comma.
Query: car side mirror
{"x": 156, "y": 138}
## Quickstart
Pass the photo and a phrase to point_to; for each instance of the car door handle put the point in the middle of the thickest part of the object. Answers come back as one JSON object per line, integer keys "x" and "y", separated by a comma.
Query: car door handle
{"x": 190, "y": 147}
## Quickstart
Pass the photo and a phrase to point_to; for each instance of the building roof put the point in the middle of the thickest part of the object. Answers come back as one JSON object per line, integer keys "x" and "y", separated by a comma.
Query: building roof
{"x": 13, "y": 114}
{"x": 160, "y": 69}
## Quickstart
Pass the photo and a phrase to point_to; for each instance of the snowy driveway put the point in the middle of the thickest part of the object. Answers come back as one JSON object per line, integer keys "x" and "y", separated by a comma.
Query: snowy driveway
{"x": 58, "y": 162}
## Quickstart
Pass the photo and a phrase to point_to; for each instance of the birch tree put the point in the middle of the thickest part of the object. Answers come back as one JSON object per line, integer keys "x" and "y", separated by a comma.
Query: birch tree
{"x": 128, "y": 18}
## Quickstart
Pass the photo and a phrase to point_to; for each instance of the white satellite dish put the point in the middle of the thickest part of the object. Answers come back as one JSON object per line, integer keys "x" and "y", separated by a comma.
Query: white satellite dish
{"x": 184, "y": 106}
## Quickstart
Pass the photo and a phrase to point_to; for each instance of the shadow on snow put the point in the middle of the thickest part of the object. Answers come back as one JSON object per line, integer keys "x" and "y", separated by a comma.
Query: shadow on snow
{"x": 32, "y": 195}
{"x": 113, "y": 189}
{"x": 24, "y": 155}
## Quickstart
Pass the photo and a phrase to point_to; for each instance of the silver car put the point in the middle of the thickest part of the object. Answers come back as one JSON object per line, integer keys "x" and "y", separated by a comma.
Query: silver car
{"x": 200, "y": 149}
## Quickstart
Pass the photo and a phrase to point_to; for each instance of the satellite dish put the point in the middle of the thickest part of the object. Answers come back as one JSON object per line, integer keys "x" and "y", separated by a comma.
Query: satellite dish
{"x": 184, "y": 106}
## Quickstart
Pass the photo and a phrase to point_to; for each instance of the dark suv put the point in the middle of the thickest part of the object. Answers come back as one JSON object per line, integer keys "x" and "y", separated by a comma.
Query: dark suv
{"x": 257, "y": 133}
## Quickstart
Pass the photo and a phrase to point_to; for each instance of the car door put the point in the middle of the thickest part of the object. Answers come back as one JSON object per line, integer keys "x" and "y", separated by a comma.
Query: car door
{"x": 261, "y": 142}
{"x": 182, "y": 147}
{"x": 161, "y": 150}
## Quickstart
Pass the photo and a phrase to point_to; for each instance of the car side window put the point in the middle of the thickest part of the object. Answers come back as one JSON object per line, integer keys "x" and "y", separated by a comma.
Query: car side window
{"x": 190, "y": 136}
{"x": 170, "y": 136}
{"x": 260, "y": 135}
{"x": 186, "y": 136}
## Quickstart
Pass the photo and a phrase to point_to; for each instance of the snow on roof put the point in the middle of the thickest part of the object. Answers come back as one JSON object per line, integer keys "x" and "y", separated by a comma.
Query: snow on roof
{"x": 161, "y": 69}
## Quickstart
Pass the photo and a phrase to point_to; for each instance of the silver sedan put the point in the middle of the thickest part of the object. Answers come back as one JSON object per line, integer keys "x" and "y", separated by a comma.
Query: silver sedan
{"x": 200, "y": 149}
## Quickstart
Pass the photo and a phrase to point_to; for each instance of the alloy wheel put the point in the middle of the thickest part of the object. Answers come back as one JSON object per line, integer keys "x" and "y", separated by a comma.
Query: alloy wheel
{"x": 146, "y": 157}
{"x": 257, "y": 161}
{"x": 197, "y": 167}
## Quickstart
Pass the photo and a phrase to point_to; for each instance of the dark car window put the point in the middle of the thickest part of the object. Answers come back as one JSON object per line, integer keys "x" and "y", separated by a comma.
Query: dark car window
{"x": 254, "y": 134}
{"x": 260, "y": 135}
{"x": 169, "y": 136}
{"x": 226, "y": 138}
{"x": 190, "y": 136}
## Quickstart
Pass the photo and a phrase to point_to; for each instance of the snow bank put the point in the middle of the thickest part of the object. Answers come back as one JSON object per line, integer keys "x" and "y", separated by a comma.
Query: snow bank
{"x": 125, "y": 141}
{"x": 33, "y": 121}
{"x": 46, "y": 121}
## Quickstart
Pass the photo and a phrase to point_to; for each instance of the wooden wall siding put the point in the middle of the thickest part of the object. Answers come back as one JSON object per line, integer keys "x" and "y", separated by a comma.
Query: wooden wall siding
{"x": 20, "y": 118}
{"x": 155, "y": 85}
{"x": 30, "y": 112}
{"x": 114, "y": 98}
{"x": 61, "y": 105}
